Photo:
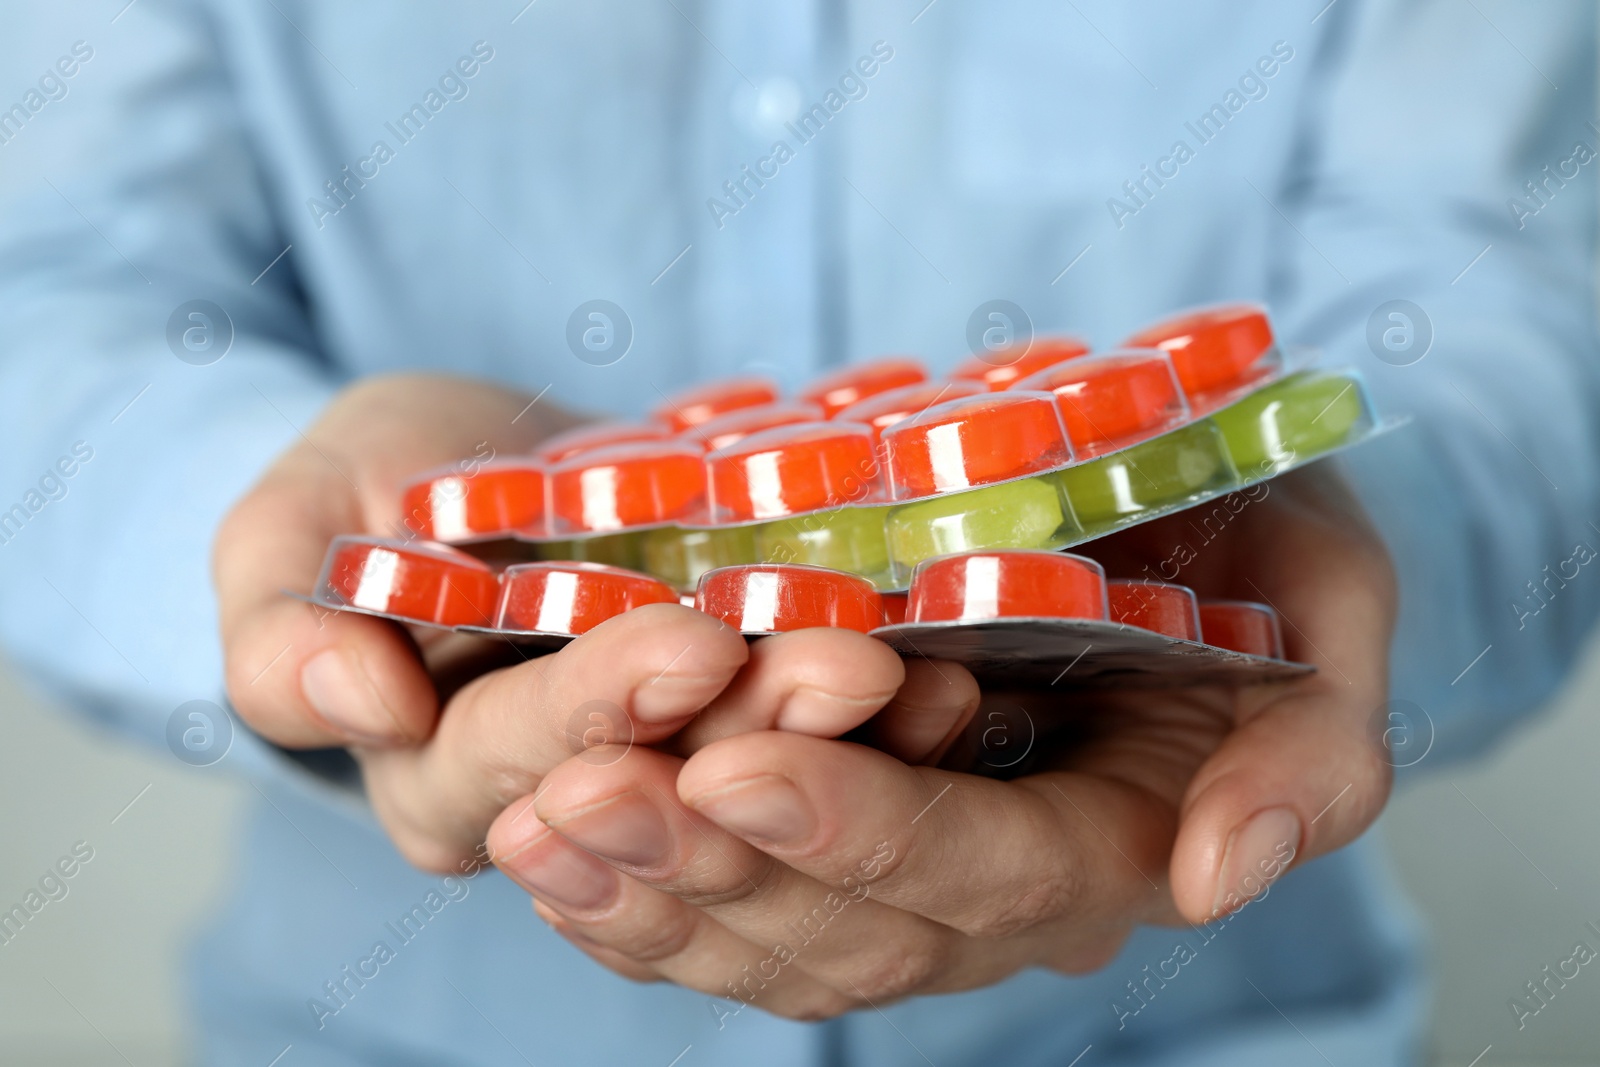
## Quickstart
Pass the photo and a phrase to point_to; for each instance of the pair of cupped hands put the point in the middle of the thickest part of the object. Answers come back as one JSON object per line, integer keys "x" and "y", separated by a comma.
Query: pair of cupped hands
{"x": 750, "y": 790}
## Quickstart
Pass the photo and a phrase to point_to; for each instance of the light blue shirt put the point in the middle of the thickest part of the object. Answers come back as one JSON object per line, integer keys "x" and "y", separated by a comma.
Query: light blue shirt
{"x": 780, "y": 187}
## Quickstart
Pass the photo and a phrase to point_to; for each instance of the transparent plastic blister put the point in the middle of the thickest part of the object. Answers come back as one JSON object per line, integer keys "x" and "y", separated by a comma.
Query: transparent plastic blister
{"x": 425, "y": 583}
{"x": 772, "y": 598}
{"x": 1003, "y": 369}
{"x": 840, "y": 389}
{"x": 725, "y": 431}
{"x": 700, "y": 404}
{"x": 569, "y": 599}
{"x": 434, "y": 585}
{"x": 589, "y": 437}
{"x": 471, "y": 503}
{"x": 625, "y": 487}
{"x": 1295, "y": 419}
{"x": 1219, "y": 352}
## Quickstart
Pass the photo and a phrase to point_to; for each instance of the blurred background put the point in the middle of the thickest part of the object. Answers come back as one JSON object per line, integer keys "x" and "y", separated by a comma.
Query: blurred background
{"x": 1500, "y": 857}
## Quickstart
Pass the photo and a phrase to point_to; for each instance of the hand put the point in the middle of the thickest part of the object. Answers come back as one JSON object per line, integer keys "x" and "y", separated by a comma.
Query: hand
{"x": 448, "y": 730}
{"x": 811, "y": 877}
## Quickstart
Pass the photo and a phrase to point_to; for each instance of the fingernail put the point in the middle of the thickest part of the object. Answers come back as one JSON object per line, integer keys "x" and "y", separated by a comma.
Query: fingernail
{"x": 560, "y": 872}
{"x": 671, "y": 696}
{"x": 626, "y": 828}
{"x": 817, "y": 711}
{"x": 340, "y": 691}
{"x": 768, "y": 809}
{"x": 1255, "y": 856}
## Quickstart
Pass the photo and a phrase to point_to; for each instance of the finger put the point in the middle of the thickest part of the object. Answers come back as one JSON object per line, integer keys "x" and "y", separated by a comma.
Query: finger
{"x": 821, "y": 681}
{"x": 605, "y": 957}
{"x": 928, "y": 713}
{"x": 832, "y": 932}
{"x": 305, "y": 677}
{"x": 1302, "y": 773}
{"x": 636, "y": 678}
{"x": 626, "y": 919}
{"x": 1300, "y": 777}
{"x": 987, "y": 858}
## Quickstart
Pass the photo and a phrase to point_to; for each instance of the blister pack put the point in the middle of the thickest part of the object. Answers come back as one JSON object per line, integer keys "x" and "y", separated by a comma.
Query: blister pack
{"x": 929, "y": 512}
{"x": 1019, "y": 618}
{"x": 877, "y": 467}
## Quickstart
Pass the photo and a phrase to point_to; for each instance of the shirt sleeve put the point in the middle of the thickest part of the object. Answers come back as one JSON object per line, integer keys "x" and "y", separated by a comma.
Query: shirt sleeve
{"x": 133, "y": 415}
{"x": 1448, "y": 161}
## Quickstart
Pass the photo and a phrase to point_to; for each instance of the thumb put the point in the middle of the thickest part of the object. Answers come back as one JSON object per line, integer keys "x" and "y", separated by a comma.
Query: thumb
{"x": 1303, "y": 772}
{"x": 1302, "y": 777}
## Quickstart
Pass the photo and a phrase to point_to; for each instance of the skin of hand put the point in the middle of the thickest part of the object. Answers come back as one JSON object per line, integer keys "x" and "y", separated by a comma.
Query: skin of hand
{"x": 810, "y": 877}
{"x": 449, "y": 730}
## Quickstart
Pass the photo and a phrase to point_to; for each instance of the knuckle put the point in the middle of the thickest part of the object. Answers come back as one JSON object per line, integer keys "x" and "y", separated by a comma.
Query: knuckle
{"x": 1375, "y": 775}
{"x": 416, "y": 842}
{"x": 503, "y": 780}
{"x": 426, "y": 853}
{"x": 902, "y": 973}
{"x": 1039, "y": 899}
{"x": 1373, "y": 778}
{"x": 651, "y": 942}
{"x": 489, "y": 728}
{"x": 729, "y": 886}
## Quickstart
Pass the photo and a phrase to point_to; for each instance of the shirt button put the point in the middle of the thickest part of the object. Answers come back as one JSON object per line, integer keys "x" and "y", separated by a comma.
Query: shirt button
{"x": 765, "y": 108}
